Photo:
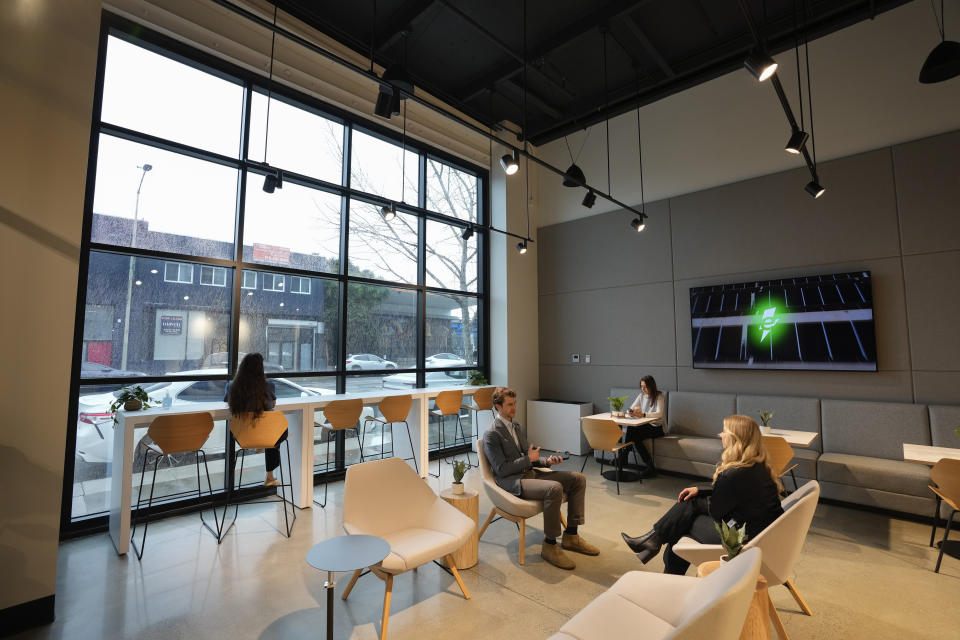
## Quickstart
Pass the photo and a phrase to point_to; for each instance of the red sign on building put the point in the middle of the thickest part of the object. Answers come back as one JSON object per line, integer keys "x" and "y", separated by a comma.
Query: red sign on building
{"x": 268, "y": 253}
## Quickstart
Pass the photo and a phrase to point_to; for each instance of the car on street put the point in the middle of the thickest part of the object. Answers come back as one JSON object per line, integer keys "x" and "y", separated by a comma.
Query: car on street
{"x": 433, "y": 379}
{"x": 438, "y": 360}
{"x": 359, "y": 361}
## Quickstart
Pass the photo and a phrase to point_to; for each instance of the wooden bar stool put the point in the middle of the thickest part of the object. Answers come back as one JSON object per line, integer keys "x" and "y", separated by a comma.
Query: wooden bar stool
{"x": 252, "y": 433}
{"x": 481, "y": 400}
{"x": 171, "y": 435}
{"x": 946, "y": 486}
{"x": 339, "y": 415}
{"x": 448, "y": 404}
{"x": 779, "y": 455}
{"x": 394, "y": 410}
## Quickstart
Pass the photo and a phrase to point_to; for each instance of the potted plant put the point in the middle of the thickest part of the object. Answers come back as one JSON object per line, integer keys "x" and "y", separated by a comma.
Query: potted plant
{"x": 459, "y": 468}
{"x": 476, "y": 378}
{"x": 731, "y": 538}
{"x": 765, "y": 417}
{"x": 616, "y": 405}
{"x": 132, "y": 398}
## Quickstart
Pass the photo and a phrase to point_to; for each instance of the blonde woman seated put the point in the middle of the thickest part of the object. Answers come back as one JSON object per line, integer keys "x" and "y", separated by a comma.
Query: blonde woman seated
{"x": 744, "y": 491}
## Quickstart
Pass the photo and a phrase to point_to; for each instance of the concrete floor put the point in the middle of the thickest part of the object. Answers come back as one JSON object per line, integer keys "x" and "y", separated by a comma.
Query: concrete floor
{"x": 864, "y": 575}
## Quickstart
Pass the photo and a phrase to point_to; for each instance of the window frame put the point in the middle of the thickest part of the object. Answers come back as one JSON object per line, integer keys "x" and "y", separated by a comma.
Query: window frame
{"x": 180, "y": 266}
{"x": 299, "y": 289}
{"x": 214, "y": 271}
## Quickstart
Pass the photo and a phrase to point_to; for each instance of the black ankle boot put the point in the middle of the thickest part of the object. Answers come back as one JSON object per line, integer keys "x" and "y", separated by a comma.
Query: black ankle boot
{"x": 646, "y": 546}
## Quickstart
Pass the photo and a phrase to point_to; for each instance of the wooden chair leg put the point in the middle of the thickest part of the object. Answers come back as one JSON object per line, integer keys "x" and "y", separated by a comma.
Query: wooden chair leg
{"x": 563, "y": 521}
{"x": 353, "y": 581}
{"x": 796, "y": 596}
{"x": 456, "y": 575}
{"x": 523, "y": 538}
{"x": 775, "y": 619}
{"x": 388, "y": 590}
{"x": 486, "y": 524}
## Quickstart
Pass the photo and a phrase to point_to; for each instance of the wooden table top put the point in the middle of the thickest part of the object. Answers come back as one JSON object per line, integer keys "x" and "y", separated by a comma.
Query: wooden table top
{"x": 928, "y": 455}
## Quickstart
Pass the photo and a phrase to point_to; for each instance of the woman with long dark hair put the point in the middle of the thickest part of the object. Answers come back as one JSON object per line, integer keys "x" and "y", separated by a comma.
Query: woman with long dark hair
{"x": 745, "y": 491}
{"x": 251, "y": 392}
{"x": 649, "y": 404}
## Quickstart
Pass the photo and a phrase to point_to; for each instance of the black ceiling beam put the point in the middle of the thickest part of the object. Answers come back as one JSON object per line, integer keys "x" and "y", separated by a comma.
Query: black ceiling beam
{"x": 649, "y": 47}
{"x": 559, "y": 39}
{"x": 780, "y": 37}
{"x": 533, "y": 98}
{"x": 397, "y": 23}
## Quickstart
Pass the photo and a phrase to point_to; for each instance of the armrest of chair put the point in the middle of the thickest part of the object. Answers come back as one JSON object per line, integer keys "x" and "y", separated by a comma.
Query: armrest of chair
{"x": 663, "y": 595}
{"x": 696, "y": 553}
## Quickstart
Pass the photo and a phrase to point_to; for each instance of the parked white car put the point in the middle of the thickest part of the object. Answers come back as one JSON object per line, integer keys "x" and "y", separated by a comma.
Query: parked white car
{"x": 433, "y": 379}
{"x": 364, "y": 361}
{"x": 438, "y": 360}
{"x": 95, "y": 422}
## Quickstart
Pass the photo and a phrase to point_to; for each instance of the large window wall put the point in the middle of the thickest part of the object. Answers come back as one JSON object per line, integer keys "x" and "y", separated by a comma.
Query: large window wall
{"x": 188, "y": 264}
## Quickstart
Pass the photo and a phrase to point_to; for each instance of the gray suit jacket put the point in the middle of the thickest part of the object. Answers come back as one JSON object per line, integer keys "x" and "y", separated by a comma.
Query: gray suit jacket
{"x": 507, "y": 460}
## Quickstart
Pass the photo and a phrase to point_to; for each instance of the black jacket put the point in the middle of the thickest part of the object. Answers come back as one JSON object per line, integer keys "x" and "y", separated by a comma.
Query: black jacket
{"x": 745, "y": 494}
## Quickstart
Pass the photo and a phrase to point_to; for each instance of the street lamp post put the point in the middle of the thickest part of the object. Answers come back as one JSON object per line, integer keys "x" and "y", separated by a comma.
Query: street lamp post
{"x": 133, "y": 261}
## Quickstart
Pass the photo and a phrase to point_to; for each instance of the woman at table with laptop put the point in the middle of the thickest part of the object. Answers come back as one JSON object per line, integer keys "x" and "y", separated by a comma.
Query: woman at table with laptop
{"x": 744, "y": 491}
{"x": 649, "y": 404}
{"x": 250, "y": 391}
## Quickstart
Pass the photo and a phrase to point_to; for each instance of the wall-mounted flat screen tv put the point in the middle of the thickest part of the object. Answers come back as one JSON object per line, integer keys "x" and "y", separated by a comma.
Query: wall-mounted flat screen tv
{"x": 810, "y": 322}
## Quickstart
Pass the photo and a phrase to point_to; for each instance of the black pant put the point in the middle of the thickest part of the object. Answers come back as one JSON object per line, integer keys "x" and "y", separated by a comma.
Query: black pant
{"x": 637, "y": 435}
{"x": 272, "y": 456}
{"x": 688, "y": 518}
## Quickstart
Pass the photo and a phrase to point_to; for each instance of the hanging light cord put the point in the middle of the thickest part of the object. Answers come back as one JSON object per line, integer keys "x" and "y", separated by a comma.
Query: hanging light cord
{"x": 273, "y": 42}
{"x": 640, "y": 152}
{"x": 606, "y": 104}
{"x": 403, "y": 160}
{"x": 796, "y": 30}
{"x": 526, "y": 170}
{"x": 574, "y": 158}
{"x": 373, "y": 34}
{"x": 806, "y": 52}
{"x": 941, "y": 22}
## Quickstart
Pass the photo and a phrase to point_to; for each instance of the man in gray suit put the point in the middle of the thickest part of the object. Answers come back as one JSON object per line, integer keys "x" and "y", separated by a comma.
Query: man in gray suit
{"x": 519, "y": 469}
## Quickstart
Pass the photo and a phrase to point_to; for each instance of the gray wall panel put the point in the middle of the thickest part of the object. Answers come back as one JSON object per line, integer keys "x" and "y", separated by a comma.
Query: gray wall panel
{"x": 604, "y": 251}
{"x": 771, "y": 222}
{"x": 767, "y": 228}
{"x": 933, "y": 308}
{"x": 928, "y": 193}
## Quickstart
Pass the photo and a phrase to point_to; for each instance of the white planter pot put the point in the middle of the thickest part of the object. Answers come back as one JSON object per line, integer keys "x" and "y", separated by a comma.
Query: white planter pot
{"x": 458, "y": 487}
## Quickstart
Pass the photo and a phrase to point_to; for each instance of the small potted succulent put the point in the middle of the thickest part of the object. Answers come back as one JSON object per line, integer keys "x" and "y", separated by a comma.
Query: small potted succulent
{"x": 476, "y": 378}
{"x": 459, "y": 468}
{"x": 132, "y": 398}
{"x": 765, "y": 417}
{"x": 616, "y": 405}
{"x": 731, "y": 538}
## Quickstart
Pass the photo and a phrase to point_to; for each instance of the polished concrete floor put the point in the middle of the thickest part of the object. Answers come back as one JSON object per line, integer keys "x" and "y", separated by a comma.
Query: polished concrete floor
{"x": 864, "y": 576}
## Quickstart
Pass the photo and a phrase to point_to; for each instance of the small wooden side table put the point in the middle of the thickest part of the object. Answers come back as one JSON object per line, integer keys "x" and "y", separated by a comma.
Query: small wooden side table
{"x": 467, "y": 503}
{"x": 756, "y": 626}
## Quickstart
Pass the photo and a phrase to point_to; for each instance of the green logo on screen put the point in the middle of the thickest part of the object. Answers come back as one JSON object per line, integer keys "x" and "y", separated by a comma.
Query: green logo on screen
{"x": 767, "y": 322}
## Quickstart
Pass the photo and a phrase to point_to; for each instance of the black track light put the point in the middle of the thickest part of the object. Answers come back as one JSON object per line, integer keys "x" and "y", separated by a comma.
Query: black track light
{"x": 574, "y": 177}
{"x": 384, "y": 100}
{"x": 522, "y": 247}
{"x": 942, "y": 64}
{"x": 273, "y": 181}
{"x": 797, "y": 139}
{"x": 388, "y": 212}
{"x": 395, "y": 85}
{"x": 467, "y": 233}
{"x": 510, "y": 163}
{"x": 760, "y": 65}
{"x": 590, "y": 199}
{"x": 639, "y": 223}
{"x": 814, "y": 188}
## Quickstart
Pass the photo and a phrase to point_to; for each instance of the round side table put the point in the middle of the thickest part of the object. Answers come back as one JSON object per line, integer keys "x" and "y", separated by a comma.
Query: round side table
{"x": 344, "y": 553}
{"x": 467, "y": 503}
{"x": 756, "y": 626}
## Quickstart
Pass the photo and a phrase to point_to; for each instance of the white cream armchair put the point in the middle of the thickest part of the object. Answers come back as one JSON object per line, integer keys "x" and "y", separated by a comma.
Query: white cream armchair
{"x": 781, "y": 543}
{"x": 387, "y": 498}
{"x": 643, "y": 605}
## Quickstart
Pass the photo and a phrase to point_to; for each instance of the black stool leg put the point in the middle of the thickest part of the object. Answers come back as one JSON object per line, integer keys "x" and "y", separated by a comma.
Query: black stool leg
{"x": 946, "y": 535}
{"x": 936, "y": 513}
{"x": 412, "y": 451}
{"x": 326, "y": 474}
{"x": 146, "y": 523}
{"x": 584, "y": 465}
{"x": 216, "y": 533}
{"x": 288, "y": 522}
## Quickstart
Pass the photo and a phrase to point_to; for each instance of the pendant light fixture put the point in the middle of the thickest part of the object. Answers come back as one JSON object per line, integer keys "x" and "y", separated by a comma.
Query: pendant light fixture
{"x": 389, "y": 212}
{"x": 274, "y": 179}
{"x": 943, "y": 62}
{"x": 814, "y": 188}
{"x": 522, "y": 245}
{"x": 640, "y": 222}
{"x": 798, "y": 137}
{"x": 574, "y": 176}
{"x": 760, "y": 65}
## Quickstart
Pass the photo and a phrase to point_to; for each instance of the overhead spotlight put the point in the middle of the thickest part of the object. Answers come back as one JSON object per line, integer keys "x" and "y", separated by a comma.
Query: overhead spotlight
{"x": 760, "y": 65}
{"x": 574, "y": 177}
{"x": 388, "y": 212}
{"x": 639, "y": 223}
{"x": 814, "y": 188}
{"x": 395, "y": 85}
{"x": 522, "y": 247}
{"x": 384, "y": 99}
{"x": 797, "y": 139}
{"x": 273, "y": 181}
{"x": 467, "y": 233}
{"x": 942, "y": 64}
{"x": 589, "y": 199}
{"x": 510, "y": 163}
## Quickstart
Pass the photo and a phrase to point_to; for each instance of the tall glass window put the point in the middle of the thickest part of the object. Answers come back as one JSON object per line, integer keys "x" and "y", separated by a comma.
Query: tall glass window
{"x": 192, "y": 264}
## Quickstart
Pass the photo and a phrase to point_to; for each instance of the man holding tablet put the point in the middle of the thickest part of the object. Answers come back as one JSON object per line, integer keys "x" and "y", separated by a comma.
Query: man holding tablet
{"x": 518, "y": 468}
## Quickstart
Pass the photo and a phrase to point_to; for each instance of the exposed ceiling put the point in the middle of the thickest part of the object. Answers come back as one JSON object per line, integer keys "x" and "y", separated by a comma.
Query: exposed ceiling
{"x": 470, "y": 53}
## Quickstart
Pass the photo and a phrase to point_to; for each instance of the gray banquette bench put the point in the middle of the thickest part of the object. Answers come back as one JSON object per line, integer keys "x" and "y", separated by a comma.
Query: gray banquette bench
{"x": 858, "y": 457}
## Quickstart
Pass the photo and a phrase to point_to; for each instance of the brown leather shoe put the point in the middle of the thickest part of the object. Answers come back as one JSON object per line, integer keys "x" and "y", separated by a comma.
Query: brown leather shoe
{"x": 553, "y": 554}
{"x": 579, "y": 545}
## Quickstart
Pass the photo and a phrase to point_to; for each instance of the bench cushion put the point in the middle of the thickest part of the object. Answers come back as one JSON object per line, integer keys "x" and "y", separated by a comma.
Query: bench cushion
{"x": 699, "y": 414}
{"x": 796, "y": 414}
{"x": 872, "y": 429}
{"x": 806, "y": 461}
{"x": 893, "y": 476}
{"x": 689, "y": 447}
{"x": 943, "y": 420}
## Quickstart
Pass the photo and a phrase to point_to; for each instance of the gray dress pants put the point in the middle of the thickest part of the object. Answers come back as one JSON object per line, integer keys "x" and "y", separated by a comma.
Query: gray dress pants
{"x": 549, "y": 486}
